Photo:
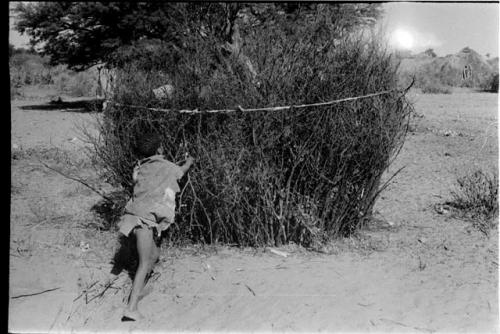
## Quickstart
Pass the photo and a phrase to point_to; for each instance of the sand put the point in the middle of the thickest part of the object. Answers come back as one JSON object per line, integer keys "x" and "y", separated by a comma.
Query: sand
{"x": 414, "y": 271}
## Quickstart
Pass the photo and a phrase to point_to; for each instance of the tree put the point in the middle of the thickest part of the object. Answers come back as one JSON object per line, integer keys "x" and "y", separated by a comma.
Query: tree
{"x": 14, "y": 51}
{"x": 430, "y": 53}
{"x": 82, "y": 34}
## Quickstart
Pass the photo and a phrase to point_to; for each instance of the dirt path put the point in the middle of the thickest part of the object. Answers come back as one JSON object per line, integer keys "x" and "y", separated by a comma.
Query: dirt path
{"x": 423, "y": 272}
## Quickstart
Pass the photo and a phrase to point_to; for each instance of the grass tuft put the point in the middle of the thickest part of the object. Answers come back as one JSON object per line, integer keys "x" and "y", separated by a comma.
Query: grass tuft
{"x": 476, "y": 199}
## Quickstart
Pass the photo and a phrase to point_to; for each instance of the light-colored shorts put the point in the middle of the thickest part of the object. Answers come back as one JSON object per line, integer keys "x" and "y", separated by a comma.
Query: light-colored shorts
{"x": 128, "y": 223}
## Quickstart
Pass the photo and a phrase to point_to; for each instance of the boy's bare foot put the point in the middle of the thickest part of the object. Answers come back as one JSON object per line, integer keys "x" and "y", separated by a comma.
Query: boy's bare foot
{"x": 131, "y": 315}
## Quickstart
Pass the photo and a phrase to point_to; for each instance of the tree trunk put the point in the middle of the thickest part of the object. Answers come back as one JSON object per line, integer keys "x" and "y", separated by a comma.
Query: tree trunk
{"x": 234, "y": 43}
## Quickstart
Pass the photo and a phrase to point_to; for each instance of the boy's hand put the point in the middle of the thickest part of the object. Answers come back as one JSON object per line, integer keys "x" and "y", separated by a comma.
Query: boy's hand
{"x": 162, "y": 226}
{"x": 187, "y": 164}
{"x": 188, "y": 157}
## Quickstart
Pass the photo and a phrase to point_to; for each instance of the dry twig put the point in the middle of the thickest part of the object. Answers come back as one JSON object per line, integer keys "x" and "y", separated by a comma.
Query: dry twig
{"x": 77, "y": 180}
{"x": 34, "y": 294}
{"x": 250, "y": 289}
{"x": 106, "y": 287}
{"x": 85, "y": 291}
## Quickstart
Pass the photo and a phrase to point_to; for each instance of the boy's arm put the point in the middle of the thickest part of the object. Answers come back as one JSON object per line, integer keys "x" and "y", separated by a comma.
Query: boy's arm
{"x": 189, "y": 162}
{"x": 135, "y": 173}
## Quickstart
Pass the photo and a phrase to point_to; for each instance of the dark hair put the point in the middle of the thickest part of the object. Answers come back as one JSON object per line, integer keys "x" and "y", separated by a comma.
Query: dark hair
{"x": 147, "y": 144}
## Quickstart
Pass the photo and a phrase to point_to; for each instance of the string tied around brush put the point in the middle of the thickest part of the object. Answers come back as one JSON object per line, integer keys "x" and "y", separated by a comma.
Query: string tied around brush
{"x": 278, "y": 108}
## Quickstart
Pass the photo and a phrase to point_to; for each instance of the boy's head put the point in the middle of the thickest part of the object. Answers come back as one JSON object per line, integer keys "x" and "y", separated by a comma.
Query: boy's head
{"x": 148, "y": 144}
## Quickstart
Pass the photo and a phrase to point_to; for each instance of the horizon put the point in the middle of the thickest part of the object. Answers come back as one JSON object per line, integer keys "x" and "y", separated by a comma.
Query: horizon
{"x": 406, "y": 53}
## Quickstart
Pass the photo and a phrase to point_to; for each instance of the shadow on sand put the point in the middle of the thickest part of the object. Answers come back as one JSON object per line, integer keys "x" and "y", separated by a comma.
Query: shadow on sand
{"x": 126, "y": 256}
{"x": 83, "y": 106}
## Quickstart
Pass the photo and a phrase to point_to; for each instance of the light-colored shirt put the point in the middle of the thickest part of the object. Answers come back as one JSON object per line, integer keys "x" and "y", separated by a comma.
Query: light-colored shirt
{"x": 154, "y": 192}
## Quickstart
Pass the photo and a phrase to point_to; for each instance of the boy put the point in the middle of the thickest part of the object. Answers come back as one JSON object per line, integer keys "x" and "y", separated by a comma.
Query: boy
{"x": 150, "y": 211}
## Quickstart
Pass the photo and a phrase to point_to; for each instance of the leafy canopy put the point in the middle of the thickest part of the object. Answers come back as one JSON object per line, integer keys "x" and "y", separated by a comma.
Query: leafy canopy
{"x": 83, "y": 34}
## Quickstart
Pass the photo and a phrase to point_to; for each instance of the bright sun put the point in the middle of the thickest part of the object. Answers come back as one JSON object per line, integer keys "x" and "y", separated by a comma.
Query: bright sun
{"x": 402, "y": 39}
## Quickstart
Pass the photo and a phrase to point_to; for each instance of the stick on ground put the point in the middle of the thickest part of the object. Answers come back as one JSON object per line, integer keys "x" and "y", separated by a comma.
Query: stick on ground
{"x": 250, "y": 289}
{"x": 34, "y": 294}
{"x": 77, "y": 180}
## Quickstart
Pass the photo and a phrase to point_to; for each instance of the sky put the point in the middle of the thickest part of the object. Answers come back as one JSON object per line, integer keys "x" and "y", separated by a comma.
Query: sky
{"x": 444, "y": 27}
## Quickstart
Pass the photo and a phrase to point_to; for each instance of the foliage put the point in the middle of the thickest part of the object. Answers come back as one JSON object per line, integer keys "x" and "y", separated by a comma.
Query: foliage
{"x": 476, "y": 198}
{"x": 30, "y": 69}
{"x": 79, "y": 84}
{"x": 490, "y": 84}
{"x": 82, "y": 34}
{"x": 13, "y": 50}
{"x": 425, "y": 80}
{"x": 433, "y": 87}
{"x": 430, "y": 53}
{"x": 302, "y": 175}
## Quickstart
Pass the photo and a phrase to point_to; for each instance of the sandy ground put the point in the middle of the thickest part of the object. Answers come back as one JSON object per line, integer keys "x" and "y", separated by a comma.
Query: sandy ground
{"x": 419, "y": 271}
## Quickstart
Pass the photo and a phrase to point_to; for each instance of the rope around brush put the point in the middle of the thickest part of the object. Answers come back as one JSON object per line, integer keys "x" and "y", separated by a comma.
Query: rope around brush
{"x": 239, "y": 108}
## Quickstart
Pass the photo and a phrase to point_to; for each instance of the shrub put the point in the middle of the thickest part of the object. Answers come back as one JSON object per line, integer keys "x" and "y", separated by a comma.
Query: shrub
{"x": 490, "y": 84}
{"x": 265, "y": 177}
{"x": 83, "y": 84}
{"x": 61, "y": 81}
{"x": 433, "y": 87}
{"x": 476, "y": 198}
{"x": 426, "y": 80}
{"x": 76, "y": 84}
{"x": 27, "y": 69}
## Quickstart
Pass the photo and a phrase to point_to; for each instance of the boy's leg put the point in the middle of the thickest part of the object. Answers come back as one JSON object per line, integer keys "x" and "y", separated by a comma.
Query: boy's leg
{"x": 147, "y": 251}
{"x": 155, "y": 255}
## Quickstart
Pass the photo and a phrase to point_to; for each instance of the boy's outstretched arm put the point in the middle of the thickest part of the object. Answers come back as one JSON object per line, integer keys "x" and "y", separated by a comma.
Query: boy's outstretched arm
{"x": 189, "y": 162}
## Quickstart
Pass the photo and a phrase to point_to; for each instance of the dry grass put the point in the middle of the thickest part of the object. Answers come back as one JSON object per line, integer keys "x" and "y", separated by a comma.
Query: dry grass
{"x": 476, "y": 199}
